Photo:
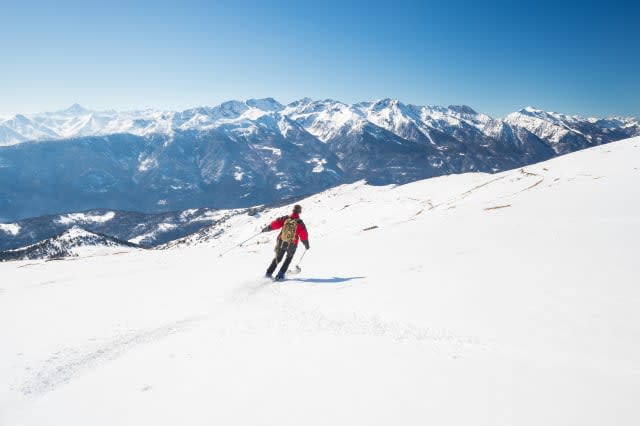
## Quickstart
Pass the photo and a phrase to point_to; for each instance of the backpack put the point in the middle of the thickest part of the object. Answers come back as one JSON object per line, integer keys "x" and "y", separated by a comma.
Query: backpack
{"x": 289, "y": 230}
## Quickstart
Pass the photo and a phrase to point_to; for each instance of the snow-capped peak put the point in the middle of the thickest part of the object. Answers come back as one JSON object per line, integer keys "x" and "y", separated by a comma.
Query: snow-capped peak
{"x": 266, "y": 104}
{"x": 324, "y": 119}
{"x": 462, "y": 109}
{"x": 394, "y": 116}
{"x": 230, "y": 109}
{"x": 384, "y": 103}
{"x": 75, "y": 109}
{"x": 74, "y": 233}
{"x": 531, "y": 109}
{"x": 300, "y": 102}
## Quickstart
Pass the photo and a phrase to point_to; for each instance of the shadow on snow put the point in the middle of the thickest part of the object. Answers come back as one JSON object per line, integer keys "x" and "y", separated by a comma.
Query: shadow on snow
{"x": 334, "y": 280}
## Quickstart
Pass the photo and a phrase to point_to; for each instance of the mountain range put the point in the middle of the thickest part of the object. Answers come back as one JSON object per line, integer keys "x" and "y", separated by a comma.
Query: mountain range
{"x": 144, "y": 230}
{"x": 259, "y": 151}
{"x": 74, "y": 241}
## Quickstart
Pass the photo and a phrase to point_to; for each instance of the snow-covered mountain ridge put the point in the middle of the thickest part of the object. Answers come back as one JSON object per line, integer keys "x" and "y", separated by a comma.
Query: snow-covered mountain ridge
{"x": 324, "y": 119}
{"x": 146, "y": 230}
{"x": 471, "y": 299}
{"x": 73, "y": 242}
{"x": 244, "y": 153}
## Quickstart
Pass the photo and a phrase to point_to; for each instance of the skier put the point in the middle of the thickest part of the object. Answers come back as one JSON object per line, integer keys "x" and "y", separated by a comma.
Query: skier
{"x": 293, "y": 228}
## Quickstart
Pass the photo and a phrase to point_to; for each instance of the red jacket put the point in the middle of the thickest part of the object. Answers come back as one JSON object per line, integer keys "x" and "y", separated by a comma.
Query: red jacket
{"x": 301, "y": 229}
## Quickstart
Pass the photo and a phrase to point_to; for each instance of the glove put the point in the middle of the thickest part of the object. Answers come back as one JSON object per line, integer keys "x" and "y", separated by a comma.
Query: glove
{"x": 266, "y": 228}
{"x": 306, "y": 244}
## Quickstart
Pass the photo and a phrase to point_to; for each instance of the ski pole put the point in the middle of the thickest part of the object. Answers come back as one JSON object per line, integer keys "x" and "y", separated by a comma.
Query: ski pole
{"x": 302, "y": 257}
{"x": 298, "y": 268}
{"x": 238, "y": 245}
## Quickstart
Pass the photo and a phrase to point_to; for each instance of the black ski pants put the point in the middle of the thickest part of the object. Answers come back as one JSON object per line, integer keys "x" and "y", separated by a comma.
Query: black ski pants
{"x": 281, "y": 249}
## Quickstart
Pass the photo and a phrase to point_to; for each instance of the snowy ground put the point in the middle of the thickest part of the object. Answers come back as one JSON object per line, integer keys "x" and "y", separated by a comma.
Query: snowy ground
{"x": 508, "y": 299}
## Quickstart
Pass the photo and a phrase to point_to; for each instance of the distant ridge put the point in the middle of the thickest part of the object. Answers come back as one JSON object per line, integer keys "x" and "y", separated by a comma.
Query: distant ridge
{"x": 259, "y": 151}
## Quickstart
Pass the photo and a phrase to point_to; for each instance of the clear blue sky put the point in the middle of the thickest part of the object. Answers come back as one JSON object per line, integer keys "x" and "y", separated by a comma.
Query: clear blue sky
{"x": 575, "y": 57}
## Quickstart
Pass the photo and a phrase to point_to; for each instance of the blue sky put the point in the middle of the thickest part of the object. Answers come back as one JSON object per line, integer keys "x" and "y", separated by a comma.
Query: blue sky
{"x": 573, "y": 57}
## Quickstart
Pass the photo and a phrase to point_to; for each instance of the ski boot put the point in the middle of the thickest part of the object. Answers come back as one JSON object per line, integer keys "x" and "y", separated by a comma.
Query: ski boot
{"x": 279, "y": 277}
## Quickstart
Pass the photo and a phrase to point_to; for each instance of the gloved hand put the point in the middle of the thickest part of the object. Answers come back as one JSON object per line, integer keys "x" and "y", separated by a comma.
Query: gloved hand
{"x": 306, "y": 244}
{"x": 266, "y": 228}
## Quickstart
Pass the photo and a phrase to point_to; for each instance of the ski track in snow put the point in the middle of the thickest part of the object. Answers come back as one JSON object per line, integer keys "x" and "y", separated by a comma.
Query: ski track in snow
{"x": 73, "y": 365}
{"x": 285, "y": 315}
{"x": 248, "y": 289}
{"x": 452, "y": 203}
{"x": 67, "y": 364}
{"x": 482, "y": 185}
{"x": 290, "y": 317}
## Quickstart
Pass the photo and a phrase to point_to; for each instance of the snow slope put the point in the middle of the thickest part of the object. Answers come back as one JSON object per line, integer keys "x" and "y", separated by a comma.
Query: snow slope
{"x": 506, "y": 299}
